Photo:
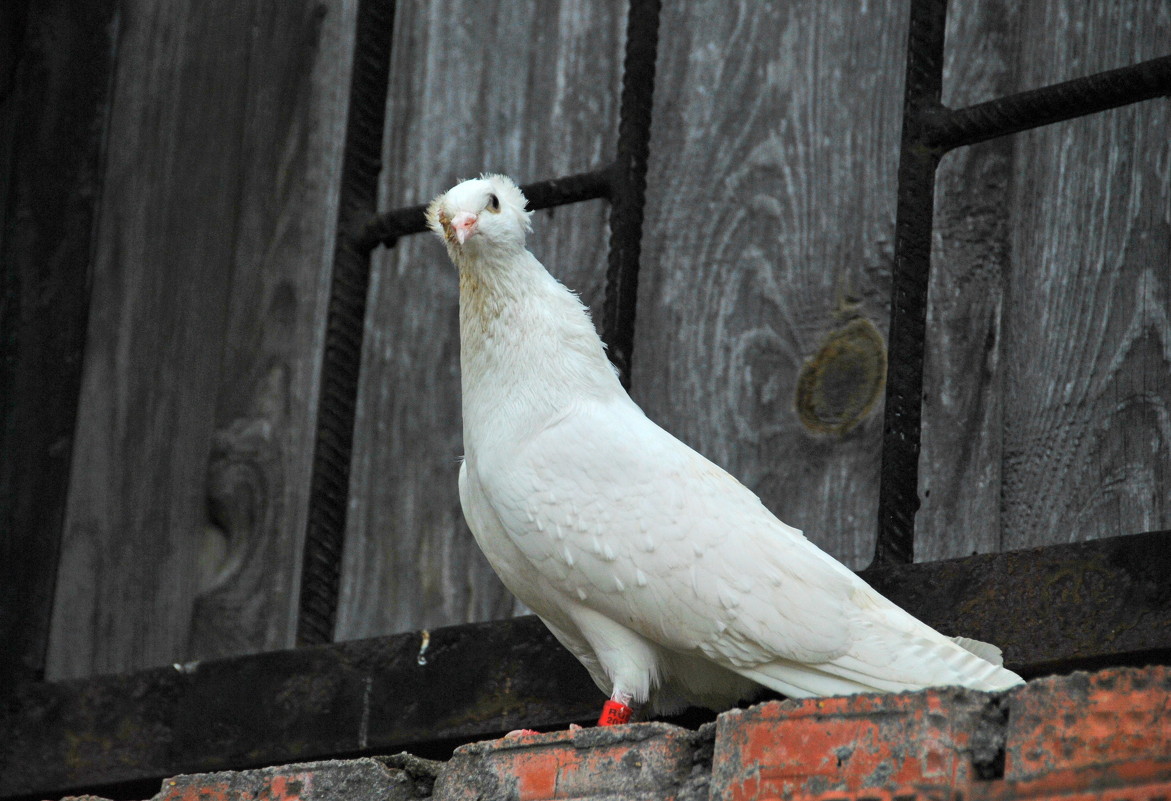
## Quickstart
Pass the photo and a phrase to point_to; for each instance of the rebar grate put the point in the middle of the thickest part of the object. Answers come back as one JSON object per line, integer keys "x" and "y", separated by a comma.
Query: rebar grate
{"x": 929, "y": 131}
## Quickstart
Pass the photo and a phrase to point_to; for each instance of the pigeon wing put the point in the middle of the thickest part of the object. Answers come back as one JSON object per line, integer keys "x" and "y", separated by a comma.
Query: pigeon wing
{"x": 620, "y": 517}
{"x": 624, "y": 519}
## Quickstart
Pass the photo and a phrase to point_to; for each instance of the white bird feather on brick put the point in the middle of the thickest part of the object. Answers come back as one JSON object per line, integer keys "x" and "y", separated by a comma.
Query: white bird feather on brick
{"x": 659, "y": 571}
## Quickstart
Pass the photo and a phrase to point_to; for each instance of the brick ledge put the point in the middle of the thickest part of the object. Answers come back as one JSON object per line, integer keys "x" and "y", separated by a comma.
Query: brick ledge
{"x": 1102, "y": 736}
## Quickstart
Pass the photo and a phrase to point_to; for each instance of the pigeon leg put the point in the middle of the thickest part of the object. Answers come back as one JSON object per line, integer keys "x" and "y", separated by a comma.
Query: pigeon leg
{"x": 627, "y": 659}
{"x": 617, "y": 710}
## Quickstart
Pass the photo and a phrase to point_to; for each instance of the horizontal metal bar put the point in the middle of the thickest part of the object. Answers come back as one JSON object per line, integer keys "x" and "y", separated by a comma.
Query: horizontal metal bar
{"x": 951, "y": 128}
{"x": 1056, "y": 608}
{"x": 569, "y": 189}
{"x": 386, "y": 228}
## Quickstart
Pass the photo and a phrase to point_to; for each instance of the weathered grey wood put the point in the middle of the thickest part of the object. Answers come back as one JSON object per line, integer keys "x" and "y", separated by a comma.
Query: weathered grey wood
{"x": 265, "y": 411}
{"x": 769, "y": 223}
{"x": 55, "y": 68}
{"x": 771, "y": 193}
{"x": 1046, "y": 420}
{"x": 529, "y": 89}
{"x": 1087, "y": 433}
{"x": 217, "y": 216}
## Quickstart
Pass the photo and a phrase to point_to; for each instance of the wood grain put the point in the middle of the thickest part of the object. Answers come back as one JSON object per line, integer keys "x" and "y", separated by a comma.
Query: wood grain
{"x": 772, "y": 179}
{"x": 1046, "y": 410}
{"x": 769, "y": 226}
{"x": 529, "y": 89}
{"x": 1087, "y": 430}
{"x": 217, "y": 213}
{"x": 268, "y": 383}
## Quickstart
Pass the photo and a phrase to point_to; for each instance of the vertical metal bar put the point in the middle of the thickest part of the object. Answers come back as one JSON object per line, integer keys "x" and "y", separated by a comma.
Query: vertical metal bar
{"x": 898, "y": 498}
{"x": 628, "y": 183}
{"x": 329, "y": 484}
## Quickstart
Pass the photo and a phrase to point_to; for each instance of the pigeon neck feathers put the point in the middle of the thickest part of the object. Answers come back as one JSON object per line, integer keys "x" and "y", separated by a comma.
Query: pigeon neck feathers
{"x": 528, "y": 350}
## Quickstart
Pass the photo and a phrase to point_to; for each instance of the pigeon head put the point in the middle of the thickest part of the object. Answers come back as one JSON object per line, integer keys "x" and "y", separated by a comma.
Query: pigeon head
{"x": 480, "y": 216}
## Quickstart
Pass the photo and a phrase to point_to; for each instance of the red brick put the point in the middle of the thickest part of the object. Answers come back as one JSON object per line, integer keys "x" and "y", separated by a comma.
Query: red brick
{"x": 348, "y": 780}
{"x": 819, "y": 747}
{"x": 1088, "y": 787}
{"x": 1085, "y": 737}
{"x": 637, "y": 761}
{"x": 999, "y": 791}
{"x": 903, "y": 794}
{"x": 1110, "y": 718}
{"x": 1102, "y": 736}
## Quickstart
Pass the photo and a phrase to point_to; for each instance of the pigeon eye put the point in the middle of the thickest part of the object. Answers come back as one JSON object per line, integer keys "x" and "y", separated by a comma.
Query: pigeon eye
{"x": 493, "y": 203}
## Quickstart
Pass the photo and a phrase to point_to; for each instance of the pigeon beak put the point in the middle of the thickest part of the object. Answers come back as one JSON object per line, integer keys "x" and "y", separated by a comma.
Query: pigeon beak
{"x": 464, "y": 225}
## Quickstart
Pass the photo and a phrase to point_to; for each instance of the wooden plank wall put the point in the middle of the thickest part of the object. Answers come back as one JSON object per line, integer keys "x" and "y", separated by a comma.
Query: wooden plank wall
{"x": 1048, "y": 414}
{"x": 1088, "y": 443}
{"x": 769, "y": 223}
{"x": 769, "y": 231}
{"x": 183, "y": 526}
{"x": 964, "y": 383}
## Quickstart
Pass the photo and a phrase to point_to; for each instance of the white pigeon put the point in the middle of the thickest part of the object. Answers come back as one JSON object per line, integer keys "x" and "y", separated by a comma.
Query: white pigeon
{"x": 665, "y": 576}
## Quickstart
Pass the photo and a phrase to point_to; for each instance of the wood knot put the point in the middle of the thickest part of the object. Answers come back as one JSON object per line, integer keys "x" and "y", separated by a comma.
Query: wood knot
{"x": 839, "y": 385}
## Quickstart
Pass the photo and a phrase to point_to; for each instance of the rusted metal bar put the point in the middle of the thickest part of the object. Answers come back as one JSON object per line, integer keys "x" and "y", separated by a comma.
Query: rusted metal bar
{"x": 948, "y": 128}
{"x": 569, "y": 189}
{"x": 330, "y": 479}
{"x": 629, "y": 184}
{"x": 1057, "y": 608}
{"x": 898, "y": 495}
{"x": 386, "y": 228}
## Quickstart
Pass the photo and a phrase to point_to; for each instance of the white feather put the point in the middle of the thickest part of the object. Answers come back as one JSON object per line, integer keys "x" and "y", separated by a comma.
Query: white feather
{"x": 659, "y": 571}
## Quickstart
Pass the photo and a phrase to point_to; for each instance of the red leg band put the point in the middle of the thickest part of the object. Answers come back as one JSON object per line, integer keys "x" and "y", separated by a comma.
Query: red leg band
{"x": 615, "y": 714}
